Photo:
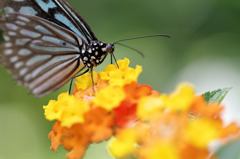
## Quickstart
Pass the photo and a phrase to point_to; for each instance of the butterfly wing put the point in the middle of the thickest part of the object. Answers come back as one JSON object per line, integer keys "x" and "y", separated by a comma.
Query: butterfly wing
{"x": 56, "y": 11}
{"x": 42, "y": 55}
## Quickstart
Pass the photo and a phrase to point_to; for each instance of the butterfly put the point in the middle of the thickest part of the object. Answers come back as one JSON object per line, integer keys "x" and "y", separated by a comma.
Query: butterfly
{"x": 47, "y": 43}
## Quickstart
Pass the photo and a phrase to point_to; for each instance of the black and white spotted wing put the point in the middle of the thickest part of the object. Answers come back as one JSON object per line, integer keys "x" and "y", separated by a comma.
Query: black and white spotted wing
{"x": 41, "y": 55}
{"x": 47, "y": 43}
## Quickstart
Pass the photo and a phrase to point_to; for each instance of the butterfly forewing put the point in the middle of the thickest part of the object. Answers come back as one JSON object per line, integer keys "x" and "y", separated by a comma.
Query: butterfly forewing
{"x": 47, "y": 43}
{"x": 56, "y": 11}
{"x": 42, "y": 55}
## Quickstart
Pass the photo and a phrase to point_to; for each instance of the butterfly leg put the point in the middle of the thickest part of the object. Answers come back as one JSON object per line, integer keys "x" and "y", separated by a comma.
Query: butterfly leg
{"x": 92, "y": 79}
{"x": 69, "y": 91}
{"x": 111, "y": 59}
{"x": 112, "y": 55}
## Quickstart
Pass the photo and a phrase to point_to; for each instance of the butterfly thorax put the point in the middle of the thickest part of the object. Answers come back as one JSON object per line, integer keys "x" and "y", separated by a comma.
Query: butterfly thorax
{"x": 95, "y": 53}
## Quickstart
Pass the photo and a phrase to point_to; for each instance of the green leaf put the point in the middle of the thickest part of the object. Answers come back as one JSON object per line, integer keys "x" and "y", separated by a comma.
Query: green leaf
{"x": 216, "y": 95}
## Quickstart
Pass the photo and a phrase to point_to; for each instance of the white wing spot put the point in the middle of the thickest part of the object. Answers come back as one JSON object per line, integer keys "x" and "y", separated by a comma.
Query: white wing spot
{"x": 90, "y": 50}
{"x": 85, "y": 58}
{"x": 67, "y": 22}
{"x": 104, "y": 49}
{"x": 13, "y": 59}
{"x": 9, "y": 9}
{"x": 27, "y": 10}
{"x": 83, "y": 48}
{"x": 52, "y": 40}
{"x": 12, "y": 33}
{"x": 23, "y": 71}
{"x": 18, "y": 64}
{"x": 23, "y": 18}
{"x": 21, "y": 41}
{"x": 36, "y": 59}
{"x": 42, "y": 29}
{"x": 93, "y": 57}
{"x": 97, "y": 61}
{"x": 96, "y": 53}
{"x": 11, "y": 26}
{"x": 45, "y": 6}
{"x": 8, "y": 44}
{"x": 30, "y": 33}
{"x": 20, "y": 23}
{"x": 8, "y": 52}
{"x": 6, "y": 38}
{"x": 27, "y": 77}
{"x": 24, "y": 52}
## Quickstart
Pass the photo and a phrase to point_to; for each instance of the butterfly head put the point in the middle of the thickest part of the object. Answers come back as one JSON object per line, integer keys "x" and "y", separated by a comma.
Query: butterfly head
{"x": 96, "y": 53}
{"x": 109, "y": 48}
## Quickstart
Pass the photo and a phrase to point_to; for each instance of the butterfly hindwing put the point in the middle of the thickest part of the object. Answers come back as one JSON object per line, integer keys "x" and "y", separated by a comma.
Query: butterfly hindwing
{"x": 42, "y": 55}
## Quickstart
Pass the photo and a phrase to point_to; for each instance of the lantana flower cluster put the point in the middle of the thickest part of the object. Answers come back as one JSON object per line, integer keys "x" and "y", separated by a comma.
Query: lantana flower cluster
{"x": 138, "y": 121}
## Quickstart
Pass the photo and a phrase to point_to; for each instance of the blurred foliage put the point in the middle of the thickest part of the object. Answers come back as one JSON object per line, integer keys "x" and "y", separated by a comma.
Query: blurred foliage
{"x": 201, "y": 31}
{"x": 216, "y": 95}
{"x": 229, "y": 151}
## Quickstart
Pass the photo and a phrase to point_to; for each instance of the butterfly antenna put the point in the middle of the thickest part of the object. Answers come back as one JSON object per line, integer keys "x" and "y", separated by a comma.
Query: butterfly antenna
{"x": 141, "y": 53}
{"x": 140, "y": 37}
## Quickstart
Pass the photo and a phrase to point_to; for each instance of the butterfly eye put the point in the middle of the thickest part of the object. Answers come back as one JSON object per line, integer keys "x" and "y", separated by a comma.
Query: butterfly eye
{"x": 110, "y": 48}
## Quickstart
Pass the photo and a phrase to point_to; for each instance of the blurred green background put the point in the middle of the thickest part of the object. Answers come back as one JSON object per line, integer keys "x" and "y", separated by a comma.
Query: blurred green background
{"x": 203, "y": 49}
